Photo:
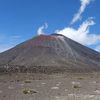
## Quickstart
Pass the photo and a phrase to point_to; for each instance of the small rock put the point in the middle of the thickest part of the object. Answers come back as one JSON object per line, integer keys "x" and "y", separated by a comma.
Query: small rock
{"x": 43, "y": 83}
{"x": 10, "y": 87}
{"x": 55, "y": 88}
{"x": 97, "y": 91}
{"x": 0, "y": 91}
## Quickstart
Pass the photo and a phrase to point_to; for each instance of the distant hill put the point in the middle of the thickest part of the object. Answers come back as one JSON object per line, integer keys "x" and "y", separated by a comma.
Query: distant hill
{"x": 50, "y": 53}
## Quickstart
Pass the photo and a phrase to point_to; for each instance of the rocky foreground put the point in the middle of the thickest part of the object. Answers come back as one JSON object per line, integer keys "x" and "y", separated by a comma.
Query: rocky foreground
{"x": 50, "y": 87}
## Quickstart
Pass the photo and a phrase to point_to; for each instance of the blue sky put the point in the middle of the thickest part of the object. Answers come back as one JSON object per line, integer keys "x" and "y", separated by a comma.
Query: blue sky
{"x": 20, "y": 19}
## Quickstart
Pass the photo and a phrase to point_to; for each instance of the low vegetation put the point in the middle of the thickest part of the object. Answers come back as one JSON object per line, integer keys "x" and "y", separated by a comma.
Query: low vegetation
{"x": 76, "y": 86}
{"x": 27, "y": 81}
{"x": 80, "y": 78}
{"x": 29, "y": 91}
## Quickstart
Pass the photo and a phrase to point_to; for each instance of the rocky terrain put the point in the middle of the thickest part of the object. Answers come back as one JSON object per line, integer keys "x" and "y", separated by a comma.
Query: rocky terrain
{"x": 50, "y": 87}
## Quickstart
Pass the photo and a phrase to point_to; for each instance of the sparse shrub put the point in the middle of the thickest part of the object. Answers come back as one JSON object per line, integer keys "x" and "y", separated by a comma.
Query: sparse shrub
{"x": 29, "y": 91}
{"x": 18, "y": 80}
{"x": 4, "y": 96}
{"x": 76, "y": 86}
{"x": 11, "y": 81}
{"x": 25, "y": 91}
{"x": 80, "y": 78}
{"x": 27, "y": 81}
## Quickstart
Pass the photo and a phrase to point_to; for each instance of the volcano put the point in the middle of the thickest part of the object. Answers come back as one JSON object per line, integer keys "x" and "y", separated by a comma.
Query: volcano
{"x": 50, "y": 53}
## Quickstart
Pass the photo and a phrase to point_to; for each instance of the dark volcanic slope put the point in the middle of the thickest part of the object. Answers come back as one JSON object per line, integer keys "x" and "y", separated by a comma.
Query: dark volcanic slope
{"x": 50, "y": 53}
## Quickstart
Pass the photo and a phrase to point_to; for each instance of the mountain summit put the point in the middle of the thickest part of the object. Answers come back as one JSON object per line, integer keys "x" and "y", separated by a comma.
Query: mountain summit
{"x": 50, "y": 53}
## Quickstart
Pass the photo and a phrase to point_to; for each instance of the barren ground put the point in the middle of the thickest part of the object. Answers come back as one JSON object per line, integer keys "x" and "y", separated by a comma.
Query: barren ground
{"x": 50, "y": 87}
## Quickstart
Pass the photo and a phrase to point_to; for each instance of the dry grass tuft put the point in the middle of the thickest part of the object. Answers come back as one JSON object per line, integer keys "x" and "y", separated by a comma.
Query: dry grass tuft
{"x": 29, "y": 91}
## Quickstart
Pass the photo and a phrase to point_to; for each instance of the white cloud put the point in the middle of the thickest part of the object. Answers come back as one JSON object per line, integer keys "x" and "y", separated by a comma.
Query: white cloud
{"x": 78, "y": 16}
{"x": 40, "y": 30}
{"x": 82, "y": 34}
{"x": 98, "y": 48}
